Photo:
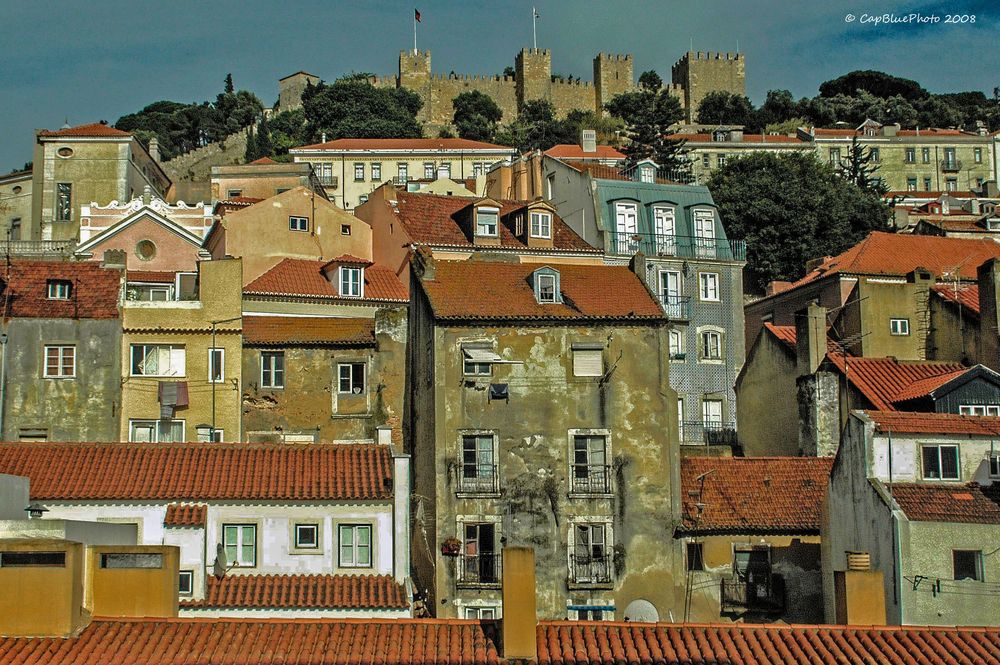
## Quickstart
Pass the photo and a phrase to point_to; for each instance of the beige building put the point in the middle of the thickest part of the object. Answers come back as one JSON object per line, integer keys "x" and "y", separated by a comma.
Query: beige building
{"x": 351, "y": 169}
{"x": 181, "y": 359}
{"x": 262, "y": 179}
{"x": 709, "y": 148}
{"x": 15, "y": 205}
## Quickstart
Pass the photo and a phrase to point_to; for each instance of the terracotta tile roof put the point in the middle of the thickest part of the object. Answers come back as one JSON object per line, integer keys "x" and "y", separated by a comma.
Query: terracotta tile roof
{"x": 302, "y": 277}
{"x": 93, "y": 294}
{"x": 254, "y": 641}
{"x": 307, "y": 331}
{"x": 404, "y": 144}
{"x": 967, "y": 295}
{"x": 924, "y": 387}
{"x": 262, "y": 160}
{"x": 574, "y": 151}
{"x": 931, "y": 195}
{"x": 436, "y": 220}
{"x": 934, "y": 423}
{"x": 784, "y": 334}
{"x": 94, "y": 129}
{"x": 200, "y": 471}
{"x": 354, "y": 592}
{"x": 898, "y": 254}
{"x": 483, "y": 290}
{"x": 747, "y": 138}
{"x": 948, "y": 502}
{"x": 753, "y": 495}
{"x": 239, "y": 201}
{"x": 350, "y": 259}
{"x": 185, "y": 514}
{"x": 158, "y": 276}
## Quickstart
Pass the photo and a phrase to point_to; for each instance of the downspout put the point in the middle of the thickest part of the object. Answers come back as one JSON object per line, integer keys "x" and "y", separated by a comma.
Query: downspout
{"x": 3, "y": 380}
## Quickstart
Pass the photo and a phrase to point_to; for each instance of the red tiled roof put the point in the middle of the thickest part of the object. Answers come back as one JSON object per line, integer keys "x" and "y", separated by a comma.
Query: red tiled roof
{"x": 747, "y": 138}
{"x": 934, "y": 423}
{"x": 486, "y": 290}
{"x": 157, "y": 276}
{"x": 967, "y": 295}
{"x": 753, "y": 495}
{"x": 924, "y": 387}
{"x": 948, "y": 502}
{"x": 350, "y": 259}
{"x": 898, "y": 254}
{"x": 263, "y": 160}
{"x": 574, "y": 151}
{"x": 352, "y": 592}
{"x": 404, "y": 144}
{"x": 932, "y": 195}
{"x": 93, "y": 294}
{"x": 239, "y": 201}
{"x": 185, "y": 514}
{"x": 605, "y": 172}
{"x": 94, "y": 129}
{"x": 200, "y": 471}
{"x": 437, "y": 220}
{"x": 303, "y": 277}
{"x": 784, "y": 334}
{"x": 308, "y": 331}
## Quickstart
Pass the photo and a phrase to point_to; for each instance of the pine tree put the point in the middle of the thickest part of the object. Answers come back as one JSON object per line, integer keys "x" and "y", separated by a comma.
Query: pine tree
{"x": 859, "y": 168}
{"x": 251, "y": 152}
{"x": 230, "y": 89}
{"x": 265, "y": 148}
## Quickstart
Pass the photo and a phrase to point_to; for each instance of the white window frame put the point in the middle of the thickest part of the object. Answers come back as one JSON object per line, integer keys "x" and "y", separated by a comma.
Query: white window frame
{"x": 547, "y": 284}
{"x": 429, "y": 170}
{"x": 359, "y": 171}
{"x": 376, "y": 168}
{"x": 626, "y": 226}
{"x": 938, "y": 448}
{"x": 481, "y": 612}
{"x": 60, "y": 350}
{"x": 703, "y": 348}
{"x": 403, "y": 171}
{"x": 704, "y": 233}
{"x": 993, "y": 465}
{"x": 591, "y": 460}
{"x": 174, "y": 351}
{"x": 59, "y": 289}
{"x": 675, "y": 345}
{"x": 708, "y": 287}
{"x": 444, "y": 170}
{"x": 899, "y": 327}
{"x": 979, "y": 410}
{"x": 488, "y": 229}
{"x": 607, "y": 532}
{"x": 205, "y": 434}
{"x": 355, "y": 546}
{"x": 156, "y": 428}
{"x": 185, "y": 574}
{"x": 708, "y": 417}
{"x": 541, "y": 225}
{"x": 216, "y": 354}
{"x": 269, "y": 376}
{"x": 979, "y": 573}
{"x": 354, "y": 288}
{"x": 665, "y": 229}
{"x": 240, "y": 546}
{"x": 583, "y": 356}
{"x": 493, "y": 477}
{"x": 297, "y": 542}
{"x": 349, "y": 366}
{"x": 298, "y": 223}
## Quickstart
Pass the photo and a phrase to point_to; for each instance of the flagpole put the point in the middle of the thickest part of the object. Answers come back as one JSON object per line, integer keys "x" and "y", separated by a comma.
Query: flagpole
{"x": 414, "y": 32}
{"x": 534, "y": 30}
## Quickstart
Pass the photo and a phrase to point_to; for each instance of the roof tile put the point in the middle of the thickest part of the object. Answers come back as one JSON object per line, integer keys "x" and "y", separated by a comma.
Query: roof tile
{"x": 575, "y": 151}
{"x": 354, "y": 592}
{"x": 307, "y": 331}
{"x": 93, "y": 294}
{"x": 185, "y": 514}
{"x": 967, "y": 296}
{"x": 934, "y": 423}
{"x": 948, "y": 502}
{"x": 94, "y": 129}
{"x": 404, "y": 144}
{"x": 303, "y": 277}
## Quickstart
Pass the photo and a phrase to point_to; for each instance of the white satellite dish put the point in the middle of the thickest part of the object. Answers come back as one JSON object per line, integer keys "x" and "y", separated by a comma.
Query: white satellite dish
{"x": 641, "y": 611}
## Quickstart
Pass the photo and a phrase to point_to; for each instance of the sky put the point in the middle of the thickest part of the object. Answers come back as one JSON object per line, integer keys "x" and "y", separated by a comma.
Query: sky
{"x": 84, "y": 61}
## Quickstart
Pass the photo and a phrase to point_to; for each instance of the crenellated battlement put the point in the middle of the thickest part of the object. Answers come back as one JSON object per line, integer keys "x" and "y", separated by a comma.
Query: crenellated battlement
{"x": 615, "y": 57}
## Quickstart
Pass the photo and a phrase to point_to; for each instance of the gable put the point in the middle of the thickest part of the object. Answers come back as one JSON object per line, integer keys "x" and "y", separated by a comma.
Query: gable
{"x": 150, "y": 242}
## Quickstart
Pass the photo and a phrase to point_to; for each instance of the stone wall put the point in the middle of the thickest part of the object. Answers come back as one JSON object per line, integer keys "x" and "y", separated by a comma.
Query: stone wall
{"x": 196, "y": 166}
{"x": 703, "y": 72}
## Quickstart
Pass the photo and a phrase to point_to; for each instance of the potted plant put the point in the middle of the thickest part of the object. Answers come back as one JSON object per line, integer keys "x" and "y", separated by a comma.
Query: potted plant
{"x": 451, "y": 547}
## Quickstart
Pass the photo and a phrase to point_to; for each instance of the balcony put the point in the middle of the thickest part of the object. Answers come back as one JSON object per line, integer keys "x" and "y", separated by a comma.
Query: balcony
{"x": 951, "y": 166}
{"x": 479, "y": 479}
{"x": 741, "y": 593}
{"x": 590, "y": 570}
{"x": 590, "y": 479}
{"x": 328, "y": 180}
{"x": 479, "y": 570}
{"x": 701, "y": 433}
{"x": 676, "y": 307}
{"x": 688, "y": 247}
{"x": 36, "y": 247}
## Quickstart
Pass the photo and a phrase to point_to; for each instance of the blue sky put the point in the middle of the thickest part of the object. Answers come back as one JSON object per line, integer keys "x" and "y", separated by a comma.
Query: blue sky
{"x": 100, "y": 59}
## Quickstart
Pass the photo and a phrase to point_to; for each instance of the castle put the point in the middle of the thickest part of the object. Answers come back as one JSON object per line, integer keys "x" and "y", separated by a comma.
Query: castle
{"x": 693, "y": 76}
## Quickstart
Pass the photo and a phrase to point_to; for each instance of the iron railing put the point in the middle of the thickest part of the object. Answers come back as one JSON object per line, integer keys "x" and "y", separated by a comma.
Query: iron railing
{"x": 676, "y": 307}
{"x": 691, "y": 247}
{"x": 739, "y": 593}
{"x": 328, "y": 180}
{"x": 479, "y": 570}
{"x": 591, "y": 479}
{"x": 701, "y": 433}
{"x": 478, "y": 478}
{"x": 660, "y": 174}
{"x": 588, "y": 569}
{"x": 951, "y": 165}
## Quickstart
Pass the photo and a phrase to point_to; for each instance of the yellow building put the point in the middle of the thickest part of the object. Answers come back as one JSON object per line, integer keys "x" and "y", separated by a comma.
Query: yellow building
{"x": 181, "y": 359}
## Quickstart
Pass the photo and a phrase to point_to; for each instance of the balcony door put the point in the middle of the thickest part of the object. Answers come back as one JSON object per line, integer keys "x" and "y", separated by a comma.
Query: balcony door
{"x": 664, "y": 231}
{"x": 626, "y": 228}
{"x": 711, "y": 413}
{"x": 670, "y": 293}
{"x": 480, "y": 554}
{"x": 704, "y": 234}
{"x": 590, "y": 557}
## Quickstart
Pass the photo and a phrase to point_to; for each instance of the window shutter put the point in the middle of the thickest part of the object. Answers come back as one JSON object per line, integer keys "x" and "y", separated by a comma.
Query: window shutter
{"x": 587, "y": 362}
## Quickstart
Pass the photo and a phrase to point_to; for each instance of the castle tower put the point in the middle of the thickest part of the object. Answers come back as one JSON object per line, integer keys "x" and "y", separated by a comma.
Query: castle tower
{"x": 703, "y": 72}
{"x": 415, "y": 75}
{"x": 612, "y": 76}
{"x": 291, "y": 87}
{"x": 532, "y": 75}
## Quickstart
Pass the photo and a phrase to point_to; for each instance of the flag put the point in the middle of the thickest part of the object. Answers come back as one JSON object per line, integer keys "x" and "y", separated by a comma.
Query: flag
{"x": 535, "y": 12}
{"x": 416, "y": 15}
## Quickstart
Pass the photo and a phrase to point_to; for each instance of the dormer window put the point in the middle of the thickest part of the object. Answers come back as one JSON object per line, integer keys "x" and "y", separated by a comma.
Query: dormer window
{"x": 486, "y": 221}
{"x": 647, "y": 173}
{"x": 541, "y": 225}
{"x": 546, "y": 283}
{"x": 350, "y": 282}
{"x": 59, "y": 289}
{"x": 720, "y": 136}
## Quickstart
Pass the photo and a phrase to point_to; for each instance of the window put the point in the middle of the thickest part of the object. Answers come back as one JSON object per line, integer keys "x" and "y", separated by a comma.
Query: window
{"x": 206, "y": 434}
{"x": 479, "y": 470}
{"x": 676, "y": 345}
{"x": 664, "y": 229}
{"x": 911, "y": 184}
{"x": 927, "y": 184}
{"x": 359, "y": 171}
{"x": 647, "y": 173}
{"x": 362, "y": 199}
{"x": 706, "y": 160}
{"x": 994, "y": 465}
{"x": 588, "y": 360}
{"x": 131, "y": 560}
{"x": 711, "y": 413}
{"x": 216, "y": 365}
{"x": 704, "y": 232}
{"x": 626, "y": 216}
{"x": 547, "y": 288}
{"x": 711, "y": 345}
{"x": 481, "y": 613}
{"x": 444, "y": 170}
{"x": 157, "y": 360}
{"x": 835, "y": 156}
{"x": 925, "y": 155}
{"x": 899, "y": 326}
{"x": 709, "y": 286}
{"x": 587, "y": 613}
{"x": 550, "y": 186}
{"x": 345, "y": 229}
{"x": 670, "y": 294}
{"x": 940, "y": 462}
{"x": 272, "y": 369}
{"x": 951, "y": 184}
{"x": 486, "y": 221}
{"x": 911, "y": 155}
{"x": 477, "y": 170}
{"x": 480, "y": 560}
{"x": 156, "y": 431}
{"x": 240, "y": 544}
{"x": 949, "y": 159}
{"x": 15, "y": 228}
{"x": 590, "y": 473}
{"x": 32, "y": 559}
{"x": 589, "y": 560}
{"x": 307, "y": 536}
{"x": 402, "y": 174}
{"x": 721, "y": 159}
{"x": 233, "y": 193}
{"x": 59, "y": 289}
{"x": 541, "y": 225}
{"x": 298, "y": 223}
{"x": 64, "y": 202}
{"x": 355, "y": 546}
{"x": 979, "y": 410}
{"x": 695, "y": 558}
{"x": 185, "y": 582}
{"x": 429, "y": 170}
{"x": 377, "y": 171}
{"x": 60, "y": 362}
{"x": 875, "y": 155}
{"x": 680, "y": 416}
{"x": 977, "y": 155}
{"x": 351, "y": 378}
{"x": 968, "y": 564}
{"x": 350, "y": 282}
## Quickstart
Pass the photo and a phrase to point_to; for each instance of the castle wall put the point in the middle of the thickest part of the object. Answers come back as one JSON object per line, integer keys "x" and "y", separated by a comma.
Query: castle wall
{"x": 703, "y": 72}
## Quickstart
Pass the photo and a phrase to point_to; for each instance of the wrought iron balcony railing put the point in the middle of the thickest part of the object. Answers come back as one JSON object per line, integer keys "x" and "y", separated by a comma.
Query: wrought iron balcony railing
{"x": 591, "y": 479}
{"x": 479, "y": 570}
{"x": 676, "y": 307}
{"x": 711, "y": 433}
{"x": 478, "y": 479}
{"x": 951, "y": 165}
{"x": 590, "y": 569}
{"x": 689, "y": 247}
{"x": 739, "y": 593}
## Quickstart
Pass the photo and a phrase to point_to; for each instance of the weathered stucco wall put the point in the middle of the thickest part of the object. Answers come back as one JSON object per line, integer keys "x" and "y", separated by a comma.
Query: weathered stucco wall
{"x": 766, "y": 405}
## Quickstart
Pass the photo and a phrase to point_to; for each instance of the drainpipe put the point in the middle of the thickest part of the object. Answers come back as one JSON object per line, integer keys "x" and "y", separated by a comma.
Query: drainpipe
{"x": 3, "y": 380}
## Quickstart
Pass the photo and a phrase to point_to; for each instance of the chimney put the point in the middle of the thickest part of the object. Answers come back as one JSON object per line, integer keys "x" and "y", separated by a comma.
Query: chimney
{"x": 154, "y": 149}
{"x": 383, "y": 436}
{"x": 322, "y": 137}
{"x": 810, "y": 338}
{"x": 974, "y": 206}
{"x": 588, "y": 140}
{"x": 114, "y": 258}
{"x": 988, "y": 279}
{"x": 859, "y": 593}
{"x": 519, "y": 613}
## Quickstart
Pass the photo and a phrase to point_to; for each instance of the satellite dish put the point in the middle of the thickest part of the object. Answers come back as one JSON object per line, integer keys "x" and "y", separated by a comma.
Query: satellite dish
{"x": 641, "y": 611}
{"x": 219, "y": 567}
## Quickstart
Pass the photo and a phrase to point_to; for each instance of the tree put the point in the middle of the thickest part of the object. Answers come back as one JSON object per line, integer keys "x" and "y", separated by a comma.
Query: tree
{"x": 264, "y": 146}
{"x": 508, "y": 71}
{"x": 250, "y": 154}
{"x": 859, "y": 167}
{"x": 779, "y": 107}
{"x": 650, "y": 80}
{"x": 354, "y": 108}
{"x": 790, "y": 208}
{"x": 536, "y": 128}
{"x": 648, "y": 117}
{"x": 229, "y": 89}
{"x": 874, "y": 83}
{"x": 476, "y": 116}
{"x": 288, "y": 129}
{"x": 725, "y": 108}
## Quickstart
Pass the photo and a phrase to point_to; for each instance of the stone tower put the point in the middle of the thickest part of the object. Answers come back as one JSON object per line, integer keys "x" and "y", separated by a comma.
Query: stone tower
{"x": 532, "y": 75}
{"x": 290, "y": 89}
{"x": 703, "y": 72}
{"x": 612, "y": 76}
{"x": 415, "y": 75}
